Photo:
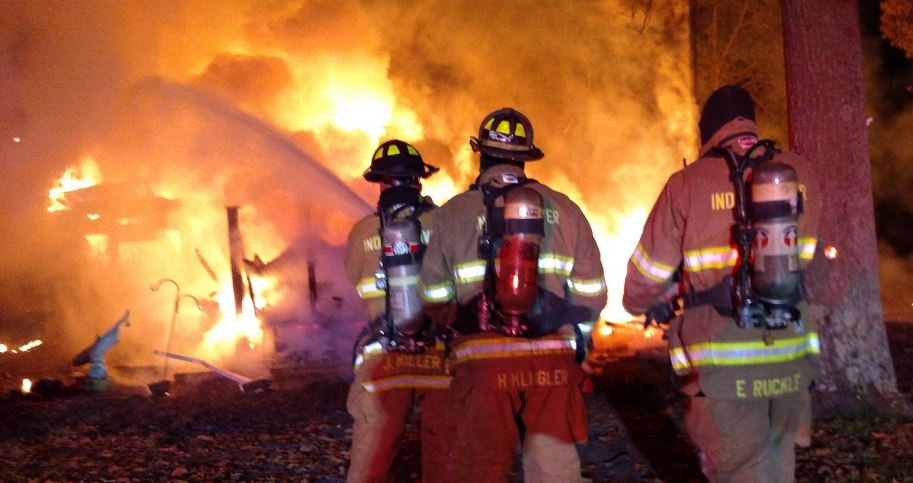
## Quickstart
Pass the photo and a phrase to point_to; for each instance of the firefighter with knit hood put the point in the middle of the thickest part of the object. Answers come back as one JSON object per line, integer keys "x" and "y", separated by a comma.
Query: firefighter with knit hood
{"x": 399, "y": 361}
{"x": 730, "y": 234}
{"x": 513, "y": 269}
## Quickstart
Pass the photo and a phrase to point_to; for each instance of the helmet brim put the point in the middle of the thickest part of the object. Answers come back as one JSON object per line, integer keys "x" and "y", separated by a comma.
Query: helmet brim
{"x": 532, "y": 154}
{"x": 378, "y": 175}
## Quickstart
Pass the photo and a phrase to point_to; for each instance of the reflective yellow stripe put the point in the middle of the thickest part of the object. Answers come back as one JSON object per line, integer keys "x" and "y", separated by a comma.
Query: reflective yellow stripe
{"x": 438, "y": 293}
{"x": 503, "y": 127}
{"x": 710, "y": 258}
{"x": 744, "y": 353}
{"x": 656, "y": 271}
{"x": 807, "y": 248}
{"x": 589, "y": 287}
{"x": 554, "y": 263}
{"x": 403, "y": 281}
{"x": 392, "y": 149}
{"x": 501, "y": 347}
{"x": 519, "y": 130}
{"x": 407, "y": 380}
{"x": 470, "y": 272}
{"x": 367, "y": 288}
{"x": 474, "y": 271}
{"x": 367, "y": 352}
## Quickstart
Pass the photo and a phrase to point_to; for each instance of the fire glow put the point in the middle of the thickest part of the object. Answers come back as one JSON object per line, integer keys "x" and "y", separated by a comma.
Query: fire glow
{"x": 331, "y": 80}
{"x": 234, "y": 329}
{"x": 74, "y": 178}
{"x": 4, "y": 348}
{"x": 230, "y": 331}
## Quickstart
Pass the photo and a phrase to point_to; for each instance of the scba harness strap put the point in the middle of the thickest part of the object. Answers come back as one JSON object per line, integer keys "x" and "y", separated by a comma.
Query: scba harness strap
{"x": 733, "y": 297}
{"x": 495, "y": 227}
{"x": 550, "y": 312}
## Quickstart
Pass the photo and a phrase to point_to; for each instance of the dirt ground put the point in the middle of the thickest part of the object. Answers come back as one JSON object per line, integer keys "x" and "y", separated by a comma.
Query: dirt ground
{"x": 301, "y": 432}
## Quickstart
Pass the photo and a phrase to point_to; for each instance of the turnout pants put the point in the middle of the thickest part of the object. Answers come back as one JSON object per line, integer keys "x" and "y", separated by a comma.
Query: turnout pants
{"x": 748, "y": 441}
{"x": 534, "y": 400}
{"x": 380, "y": 419}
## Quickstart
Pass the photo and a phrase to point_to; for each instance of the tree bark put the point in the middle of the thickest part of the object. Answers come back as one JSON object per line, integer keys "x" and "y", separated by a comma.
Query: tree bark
{"x": 827, "y": 126}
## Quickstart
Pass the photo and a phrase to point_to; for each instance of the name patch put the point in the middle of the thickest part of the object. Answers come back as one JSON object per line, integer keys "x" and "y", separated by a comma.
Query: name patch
{"x": 526, "y": 379}
{"x": 764, "y": 388}
{"x": 397, "y": 362}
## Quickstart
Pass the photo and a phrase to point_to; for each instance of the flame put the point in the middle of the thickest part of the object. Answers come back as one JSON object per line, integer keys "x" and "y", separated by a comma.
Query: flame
{"x": 74, "y": 178}
{"x": 98, "y": 244}
{"x": 26, "y": 386}
{"x": 342, "y": 96}
{"x": 350, "y": 104}
{"x": 222, "y": 339}
{"x": 148, "y": 257}
{"x": 4, "y": 348}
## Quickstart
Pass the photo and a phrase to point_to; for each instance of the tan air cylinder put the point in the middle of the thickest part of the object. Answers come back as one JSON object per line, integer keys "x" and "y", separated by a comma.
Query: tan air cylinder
{"x": 401, "y": 259}
{"x": 775, "y": 223}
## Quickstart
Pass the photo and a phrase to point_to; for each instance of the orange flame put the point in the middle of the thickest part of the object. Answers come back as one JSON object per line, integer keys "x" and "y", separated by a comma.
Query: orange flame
{"x": 222, "y": 339}
{"x": 74, "y": 178}
{"x": 23, "y": 348}
{"x": 350, "y": 105}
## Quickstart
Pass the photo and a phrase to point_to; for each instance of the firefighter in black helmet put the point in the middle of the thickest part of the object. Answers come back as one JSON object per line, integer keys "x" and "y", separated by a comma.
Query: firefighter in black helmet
{"x": 516, "y": 377}
{"x": 398, "y": 360}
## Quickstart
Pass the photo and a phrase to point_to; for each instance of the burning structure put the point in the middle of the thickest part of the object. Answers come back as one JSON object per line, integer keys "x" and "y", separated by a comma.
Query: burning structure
{"x": 146, "y": 127}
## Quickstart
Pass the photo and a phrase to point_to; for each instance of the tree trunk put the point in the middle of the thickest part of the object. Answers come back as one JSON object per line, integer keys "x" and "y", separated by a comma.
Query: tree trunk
{"x": 827, "y": 126}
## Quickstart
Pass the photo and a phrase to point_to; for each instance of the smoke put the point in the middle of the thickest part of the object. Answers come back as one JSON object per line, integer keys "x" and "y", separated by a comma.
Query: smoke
{"x": 275, "y": 107}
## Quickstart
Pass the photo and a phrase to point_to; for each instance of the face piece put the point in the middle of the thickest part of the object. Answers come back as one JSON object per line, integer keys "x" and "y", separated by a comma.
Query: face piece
{"x": 397, "y": 192}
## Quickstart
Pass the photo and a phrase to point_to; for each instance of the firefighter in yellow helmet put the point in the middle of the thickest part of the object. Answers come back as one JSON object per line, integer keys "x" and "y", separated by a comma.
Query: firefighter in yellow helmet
{"x": 514, "y": 270}
{"x": 399, "y": 361}
{"x": 731, "y": 232}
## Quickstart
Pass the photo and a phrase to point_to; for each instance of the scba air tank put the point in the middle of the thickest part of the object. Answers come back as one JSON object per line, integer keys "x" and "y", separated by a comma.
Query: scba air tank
{"x": 775, "y": 210}
{"x": 517, "y": 283}
{"x": 402, "y": 262}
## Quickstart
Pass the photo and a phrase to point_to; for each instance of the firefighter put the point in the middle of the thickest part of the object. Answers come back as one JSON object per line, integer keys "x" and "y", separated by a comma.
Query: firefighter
{"x": 513, "y": 268}
{"x": 749, "y": 359}
{"x": 399, "y": 362}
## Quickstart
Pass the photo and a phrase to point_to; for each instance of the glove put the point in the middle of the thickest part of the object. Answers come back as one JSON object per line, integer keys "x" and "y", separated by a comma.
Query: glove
{"x": 661, "y": 313}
